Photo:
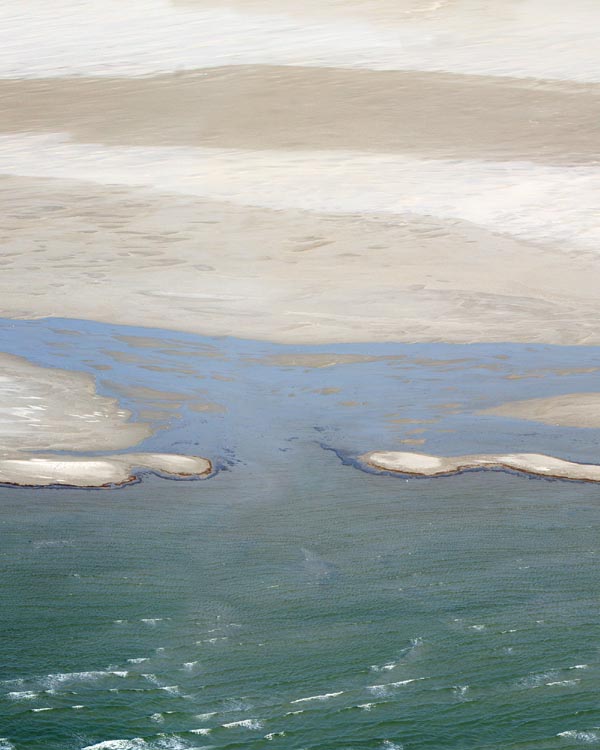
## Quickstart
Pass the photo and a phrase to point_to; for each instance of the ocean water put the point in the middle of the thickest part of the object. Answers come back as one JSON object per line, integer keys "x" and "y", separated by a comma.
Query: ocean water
{"x": 294, "y": 600}
{"x": 303, "y": 604}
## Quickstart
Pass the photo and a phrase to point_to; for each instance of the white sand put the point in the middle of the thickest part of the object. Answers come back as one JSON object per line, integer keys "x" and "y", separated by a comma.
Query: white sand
{"x": 43, "y": 408}
{"x": 529, "y": 463}
{"x": 535, "y": 38}
{"x": 48, "y": 409}
{"x": 40, "y": 471}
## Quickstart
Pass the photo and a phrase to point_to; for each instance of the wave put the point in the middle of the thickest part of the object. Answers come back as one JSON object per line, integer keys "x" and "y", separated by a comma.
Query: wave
{"x": 21, "y": 695}
{"x": 244, "y": 723}
{"x": 384, "y": 688}
{"x": 323, "y": 697}
{"x": 580, "y": 736}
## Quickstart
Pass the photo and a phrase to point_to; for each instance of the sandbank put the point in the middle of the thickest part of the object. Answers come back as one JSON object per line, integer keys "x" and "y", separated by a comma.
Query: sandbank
{"x": 48, "y": 409}
{"x": 425, "y": 465}
{"x": 92, "y": 471}
{"x": 568, "y": 410}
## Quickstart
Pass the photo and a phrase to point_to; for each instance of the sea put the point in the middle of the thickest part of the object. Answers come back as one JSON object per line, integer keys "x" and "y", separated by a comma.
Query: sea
{"x": 295, "y": 600}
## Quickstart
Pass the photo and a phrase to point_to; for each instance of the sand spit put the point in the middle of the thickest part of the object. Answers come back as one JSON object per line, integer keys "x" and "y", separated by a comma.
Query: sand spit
{"x": 536, "y": 464}
{"x": 569, "y": 410}
{"x": 121, "y": 255}
{"x": 93, "y": 471}
{"x": 359, "y": 110}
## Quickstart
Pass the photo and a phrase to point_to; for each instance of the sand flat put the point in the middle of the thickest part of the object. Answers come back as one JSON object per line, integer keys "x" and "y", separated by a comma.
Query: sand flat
{"x": 107, "y": 253}
{"x": 273, "y": 107}
{"x": 528, "y": 463}
{"x": 568, "y": 410}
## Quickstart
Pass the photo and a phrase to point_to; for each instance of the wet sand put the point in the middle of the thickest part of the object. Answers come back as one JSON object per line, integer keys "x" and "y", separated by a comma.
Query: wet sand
{"x": 529, "y": 463}
{"x": 569, "y": 410}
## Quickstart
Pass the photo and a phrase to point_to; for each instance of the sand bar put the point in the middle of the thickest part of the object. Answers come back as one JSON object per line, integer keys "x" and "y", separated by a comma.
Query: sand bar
{"x": 425, "y": 465}
{"x": 568, "y": 410}
{"x": 105, "y": 471}
{"x": 49, "y": 409}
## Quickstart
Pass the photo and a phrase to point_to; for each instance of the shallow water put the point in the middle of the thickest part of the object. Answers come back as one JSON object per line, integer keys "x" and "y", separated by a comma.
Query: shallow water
{"x": 293, "y": 593}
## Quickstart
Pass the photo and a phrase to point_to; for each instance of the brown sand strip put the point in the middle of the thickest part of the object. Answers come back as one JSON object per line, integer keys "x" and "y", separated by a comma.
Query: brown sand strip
{"x": 437, "y": 115}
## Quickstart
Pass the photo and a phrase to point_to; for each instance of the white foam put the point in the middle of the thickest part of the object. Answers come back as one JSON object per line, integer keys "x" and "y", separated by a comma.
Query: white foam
{"x": 138, "y": 660}
{"x": 366, "y": 706}
{"x": 580, "y": 736}
{"x": 384, "y": 667}
{"x": 555, "y": 204}
{"x": 189, "y": 665}
{"x": 323, "y": 697}
{"x": 5, "y": 744}
{"x": 21, "y": 695}
{"x": 384, "y": 688}
{"x": 563, "y": 683}
{"x": 244, "y": 723}
{"x": 60, "y": 678}
{"x": 272, "y": 735}
{"x": 38, "y": 710}
{"x": 203, "y": 731}
{"x": 531, "y": 38}
{"x": 135, "y": 744}
{"x": 204, "y": 717}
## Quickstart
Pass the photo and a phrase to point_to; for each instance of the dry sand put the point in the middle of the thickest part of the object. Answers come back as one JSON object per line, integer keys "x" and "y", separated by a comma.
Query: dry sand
{"x": 569, "y": 410}
{"x": 529, "y": 463}
{"x": 48, "y": 409}
{"x": 121, "y": 255}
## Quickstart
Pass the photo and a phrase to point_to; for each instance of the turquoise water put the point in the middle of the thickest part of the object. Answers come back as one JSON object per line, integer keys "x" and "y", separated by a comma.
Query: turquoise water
{"x": 293, "y": 600}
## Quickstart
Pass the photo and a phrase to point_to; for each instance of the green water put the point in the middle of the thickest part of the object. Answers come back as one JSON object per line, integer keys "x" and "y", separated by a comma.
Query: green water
{"x": 448, "y": 613}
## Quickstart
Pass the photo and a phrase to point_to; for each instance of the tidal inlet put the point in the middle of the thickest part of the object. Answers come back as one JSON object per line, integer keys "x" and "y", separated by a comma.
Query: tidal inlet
{"x": 299, "y": 375}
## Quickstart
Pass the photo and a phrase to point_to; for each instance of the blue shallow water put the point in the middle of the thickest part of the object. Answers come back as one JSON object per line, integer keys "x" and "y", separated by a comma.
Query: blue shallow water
{"x": 293, "y": 601}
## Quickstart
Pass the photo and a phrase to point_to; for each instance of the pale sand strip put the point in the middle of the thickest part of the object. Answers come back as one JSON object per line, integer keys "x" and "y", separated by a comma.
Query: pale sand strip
{"x": 436, "y": 115}
{"x": 568, "y": 410}
{"x": 531, "y": 201}
{"x": 124, "y": 256}
{"x": 105, "y": 471}
{"x": 45, "y": 408}
{"x": 48, "y": 409}
{"x": 525, "y": 38}
{"x": 537, "y": 464}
